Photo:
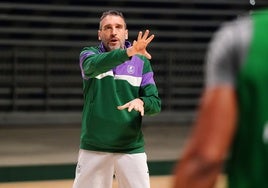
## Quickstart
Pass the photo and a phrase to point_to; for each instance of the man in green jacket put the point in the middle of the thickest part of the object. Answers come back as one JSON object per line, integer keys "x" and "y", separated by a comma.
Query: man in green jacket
{"x": 119, "y": 89}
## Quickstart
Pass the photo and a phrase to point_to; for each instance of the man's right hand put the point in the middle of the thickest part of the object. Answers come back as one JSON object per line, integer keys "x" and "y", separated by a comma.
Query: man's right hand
{"x": 139, "y": 45}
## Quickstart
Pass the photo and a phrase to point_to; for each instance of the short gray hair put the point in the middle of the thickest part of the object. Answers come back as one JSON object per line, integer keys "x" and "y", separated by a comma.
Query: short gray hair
{"x": 113, "y": 13}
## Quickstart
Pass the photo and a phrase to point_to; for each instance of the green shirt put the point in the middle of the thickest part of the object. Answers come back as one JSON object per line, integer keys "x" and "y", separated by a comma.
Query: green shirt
{"x": 239, "y": 57}
{"x": 248, "y": 165}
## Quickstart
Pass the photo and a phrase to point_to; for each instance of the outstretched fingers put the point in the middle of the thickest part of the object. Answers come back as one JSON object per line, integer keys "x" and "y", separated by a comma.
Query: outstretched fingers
{"x": 145, "y": 36}
{"x": 139, "y": 45}
{"x": 139, "y": 36}
{"x": 146, "y": 33}
{"x": 148, "y": 40}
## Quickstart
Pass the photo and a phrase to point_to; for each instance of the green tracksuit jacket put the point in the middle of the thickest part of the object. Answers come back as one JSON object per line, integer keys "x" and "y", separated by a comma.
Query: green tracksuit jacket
{"x": 111, "y": 79}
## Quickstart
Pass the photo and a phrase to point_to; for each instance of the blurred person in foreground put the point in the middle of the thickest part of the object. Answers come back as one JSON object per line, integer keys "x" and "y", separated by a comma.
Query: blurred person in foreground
{"x": 119, "y": 89}
{"x": 232, "y": 121}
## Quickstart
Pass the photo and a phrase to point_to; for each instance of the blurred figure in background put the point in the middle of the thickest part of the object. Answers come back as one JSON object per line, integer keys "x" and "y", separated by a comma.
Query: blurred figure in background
{"x": 232, "y": 121}
{"x": 119, "y": 89}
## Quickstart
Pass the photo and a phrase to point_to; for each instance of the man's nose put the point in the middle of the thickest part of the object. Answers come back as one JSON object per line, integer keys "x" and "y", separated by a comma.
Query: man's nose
{"x": 114, "y": 31}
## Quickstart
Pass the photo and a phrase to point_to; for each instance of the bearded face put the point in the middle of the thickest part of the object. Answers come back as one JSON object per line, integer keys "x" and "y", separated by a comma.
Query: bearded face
{"x": 113, "y": 32}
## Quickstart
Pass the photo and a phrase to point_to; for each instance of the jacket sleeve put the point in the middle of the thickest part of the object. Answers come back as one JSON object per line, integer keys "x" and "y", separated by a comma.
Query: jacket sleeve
{"x": 93, "y": 63}
{"x": 149, "y": 91}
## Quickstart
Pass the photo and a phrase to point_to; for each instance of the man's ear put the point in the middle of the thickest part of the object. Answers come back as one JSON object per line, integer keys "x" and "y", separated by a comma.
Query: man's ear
{"x": 126, "y": 35}
{"x": 99, "y": 38}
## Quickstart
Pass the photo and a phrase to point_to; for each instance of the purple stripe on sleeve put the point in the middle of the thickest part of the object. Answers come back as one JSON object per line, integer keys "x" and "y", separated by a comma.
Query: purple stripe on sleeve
{"x": 83, "y": 56}
{"x": 148, "y": 79}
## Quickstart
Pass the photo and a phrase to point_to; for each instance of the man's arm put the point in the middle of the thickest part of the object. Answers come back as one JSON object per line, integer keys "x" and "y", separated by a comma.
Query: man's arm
{"x": 215, "y": 125}
{"x": 212, "y": 135}
{"x": 93, "y": 63}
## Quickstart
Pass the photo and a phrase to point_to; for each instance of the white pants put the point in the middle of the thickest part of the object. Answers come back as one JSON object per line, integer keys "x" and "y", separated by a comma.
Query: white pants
{"x": 96, "y": 170}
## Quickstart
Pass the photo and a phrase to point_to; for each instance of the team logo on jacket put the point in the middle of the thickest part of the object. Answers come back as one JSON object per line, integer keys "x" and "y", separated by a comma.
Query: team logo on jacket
{"x": 130, "y": 69}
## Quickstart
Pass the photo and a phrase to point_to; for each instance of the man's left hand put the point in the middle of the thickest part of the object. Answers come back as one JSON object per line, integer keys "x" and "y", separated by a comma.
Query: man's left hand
{"x": 136, "y": 104}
